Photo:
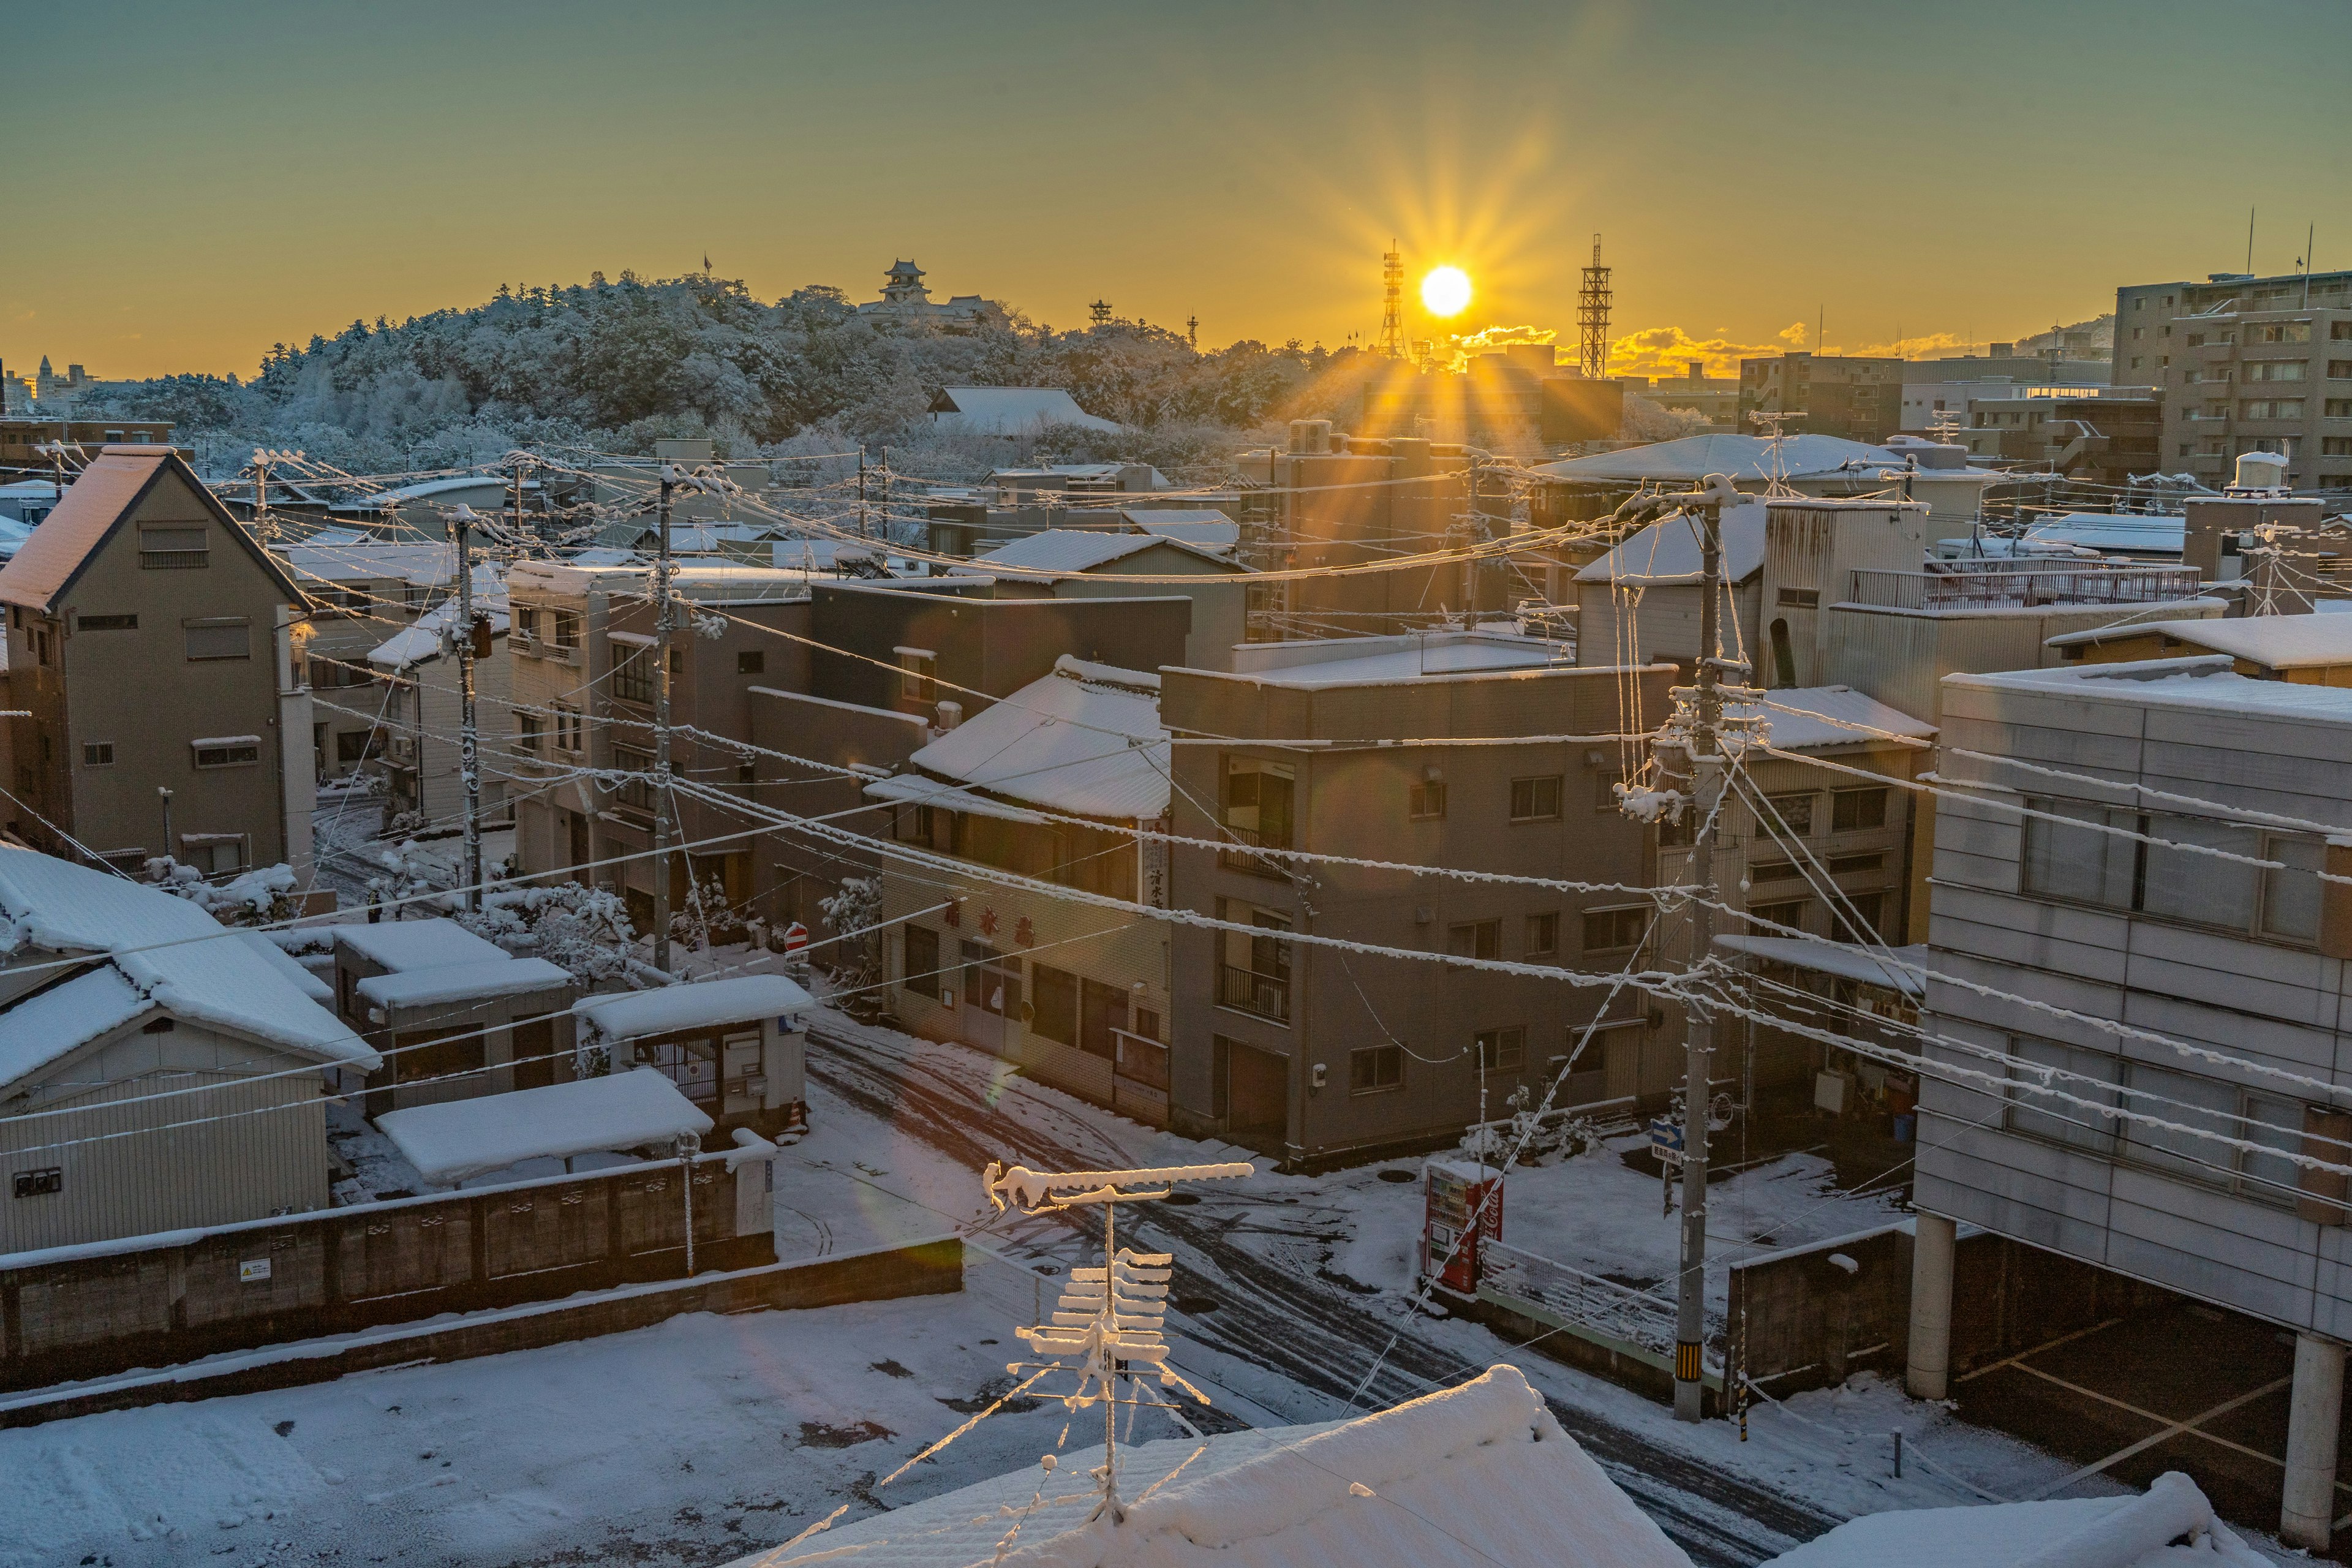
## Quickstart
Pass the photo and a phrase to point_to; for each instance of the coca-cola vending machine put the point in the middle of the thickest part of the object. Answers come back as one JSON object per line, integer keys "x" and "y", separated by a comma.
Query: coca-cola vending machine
{"x": 1458, "y": 1193}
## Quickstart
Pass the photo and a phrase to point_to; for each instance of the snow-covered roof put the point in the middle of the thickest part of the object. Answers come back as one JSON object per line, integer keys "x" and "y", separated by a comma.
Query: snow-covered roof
{"x": 169, "y": 950}
{"x": 1667, "y": 552}
{"x": 275, "y": 954}
{"x": 1009, "y": 410}
{"x": 424, "y": 638}
{"x": 631, "y": 572}
{"x": 452, "y": 983}
{"x": 2145, "y": 534}
{"x": 1828, "y": 716}
{"x": 1404, "y": 656}
{"x": 2205, "y": 681}
{"x": 1086, "y": 740}
{"x": 702, "y": 1005}
{"x": 325, "y": 558}
{"x": 921, "y": 789}
{"x": 461, "y": 1138}
{"x": 417, "y": 944}
{"x": 1484, "y": 1462}
{"x": 430, "y": 491}
{"x": 1845, "y": 963}
{"x": 2276, "y": 642}
{"x": 1082, "y": 550}
{"x": 1693, "y": 458}
{"x": 1203, "y": 526}
{"x": 2073, "y": 1532}
{"x": 49, "y": 1024}
{"x": 94, "y": 505}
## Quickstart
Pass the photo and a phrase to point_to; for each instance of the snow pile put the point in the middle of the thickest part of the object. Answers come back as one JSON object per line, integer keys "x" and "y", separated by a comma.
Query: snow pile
{"x": 256, "y": 898}
{"x": 448, "y": 1143}
{"x": 672, "y": 1009}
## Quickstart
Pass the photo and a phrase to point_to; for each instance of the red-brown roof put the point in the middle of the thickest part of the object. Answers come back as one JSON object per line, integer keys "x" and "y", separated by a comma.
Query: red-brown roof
{"x": 92, "y": 506}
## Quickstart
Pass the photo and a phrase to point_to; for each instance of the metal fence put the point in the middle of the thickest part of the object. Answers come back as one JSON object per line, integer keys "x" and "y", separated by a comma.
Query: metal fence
{"x": 1617, "y": 1317}
{"x": 2011, "y": 584}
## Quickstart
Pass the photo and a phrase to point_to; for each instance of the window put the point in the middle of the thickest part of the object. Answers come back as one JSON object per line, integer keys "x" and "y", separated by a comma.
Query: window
{"x": 2276, "y": 409}
{"x": 2279, "y": 332}
{"x": 2039, "y": 1115}
{"x": 2199, "y": 875}
{"x": 225, "y": 636}
{"x": 1477, "y": 939}
{"x": 918, "y": 675}
{"x": 2083, "y": 863}
{"x": 354, "y": 747}
{"x": 565, "y": 632}
{"x": 1863, "y": 925}
{"x": 1259, "y": 801}
{"x": 2336, "y": 445}
{"x": 567, "y": 728}
{"x": 752, "y": 661}
{"x": 1054, "y": 996}
{"x": 1375, "y": 1069}
{"x": 2212, "y": 1106}
{"x": 529, "y": 728}
{"x": 1788, "y": 912}
{"x": 636, "y": 792}
{"x": 1853, "y": 810}
{"x": 100, "y": 755}
{"x": 1542, "y": 936}
{"x": 1615, "y": 930}
{"x": 2338, "y": 331}
{"x": 236, "y": 751}
{"x": 1795, "y": 812}
{"x": 172, "y": 548}
{"x": 1253, "y": 975}
{"x": 921, "y": 973}
{"x": 1500, "y": 1049}
{"x": 1535, "y": 800}
{"x": 1849, "y": 865}
{"x": 2339, "y": 409}
{"x": 1427, "y": 801}
{"x": 2274, "y": 369}
{"x": 108, "y": 623}
{"x": 2290, "y": 898}
{"x": 2339, "y": 370}
{"x": 1775, "y": 871}
{"x": 1799, "y": 598}
{"x": 632, "y": 677}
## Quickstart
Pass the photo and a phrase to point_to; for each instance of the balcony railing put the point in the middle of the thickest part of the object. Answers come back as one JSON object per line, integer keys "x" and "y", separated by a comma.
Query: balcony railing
{"x": 1239, "y": 859}
{"x": 1267, "y": 995}
{"x": 2015, "y": 584}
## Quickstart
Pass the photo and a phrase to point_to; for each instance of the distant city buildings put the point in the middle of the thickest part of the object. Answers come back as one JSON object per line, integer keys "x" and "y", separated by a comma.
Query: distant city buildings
{"x": 1858, "y": 399}
{"x": 1715, "y": 397}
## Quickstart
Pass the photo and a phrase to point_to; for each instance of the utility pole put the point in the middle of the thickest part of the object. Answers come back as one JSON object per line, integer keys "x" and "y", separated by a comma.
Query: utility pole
{"x": 661, "y": 724}
{"x": 260, "y": 489}
{"x": 469, "y": 758}
{"x": 1706, "y": 753}
{"x": 518, "y": 495}
{"x": 862, "y": 531}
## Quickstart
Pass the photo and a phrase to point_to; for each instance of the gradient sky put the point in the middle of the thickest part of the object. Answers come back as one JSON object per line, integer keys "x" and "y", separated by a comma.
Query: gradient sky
{"x": 192, "y": 183}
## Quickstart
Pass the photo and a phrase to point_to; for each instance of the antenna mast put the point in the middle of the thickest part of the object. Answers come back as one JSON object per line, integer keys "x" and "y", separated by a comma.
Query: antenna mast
{"x": 1593, "y": 303}
{"x": 1392, "y": 301}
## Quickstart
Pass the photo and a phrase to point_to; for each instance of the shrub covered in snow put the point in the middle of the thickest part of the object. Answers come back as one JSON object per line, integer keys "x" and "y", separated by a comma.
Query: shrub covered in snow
{"x": 584, "y": 929}
{"x": 258, "y": 897}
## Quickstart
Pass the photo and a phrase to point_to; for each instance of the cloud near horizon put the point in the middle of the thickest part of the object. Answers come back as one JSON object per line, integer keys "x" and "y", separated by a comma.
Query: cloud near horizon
{"x": 1668, "y": 351}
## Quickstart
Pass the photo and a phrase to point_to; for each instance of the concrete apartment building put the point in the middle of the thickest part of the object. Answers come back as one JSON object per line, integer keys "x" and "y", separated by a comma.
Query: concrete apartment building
{"x": 153, "y": 641}
{"x": 1858, "y": 399}
{"x": 2246, "y": 364}
{"x": 1714, "y": 397}
{"x": 2240, "y": 954}
{"x": 1070, "y": 563}
{"x": 895, "y": 667}
{"x": 1335, "y": 500}
{"x": 420, "y": 706}
{"x": 1052, "y": 783}
{"x": 582, "y": 647}
{"x": 359, "y": 593}
{"x": 21, "y": 439}
{"x": 1314, "y": 1056}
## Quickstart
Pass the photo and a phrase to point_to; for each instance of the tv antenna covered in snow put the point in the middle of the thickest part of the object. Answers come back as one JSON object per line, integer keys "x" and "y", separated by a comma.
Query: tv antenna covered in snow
{"x": 1110, "y": 1321}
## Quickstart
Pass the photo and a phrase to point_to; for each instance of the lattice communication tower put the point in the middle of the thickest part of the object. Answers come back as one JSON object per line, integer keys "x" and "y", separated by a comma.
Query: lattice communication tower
{"x": 1592, "y": 317}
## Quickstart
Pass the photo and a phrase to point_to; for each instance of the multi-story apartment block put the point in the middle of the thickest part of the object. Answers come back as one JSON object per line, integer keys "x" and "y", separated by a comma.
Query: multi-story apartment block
{"x": 2246, "y": 364}
{"x": 419, "y": 705}
{"x": 152, "y": 642}
{"x": 359, "y": 594}
{"x": 1827, "y": 394}
{"x": 2134, "y": 1011}
{"x": 581, "y": 645}
{"x": 1312, "y": 1052}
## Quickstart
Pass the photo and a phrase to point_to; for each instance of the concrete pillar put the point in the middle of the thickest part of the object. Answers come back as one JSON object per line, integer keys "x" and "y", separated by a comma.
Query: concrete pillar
{"x": 1929, "y": 1375}
{"x": 2308, "y": 1508}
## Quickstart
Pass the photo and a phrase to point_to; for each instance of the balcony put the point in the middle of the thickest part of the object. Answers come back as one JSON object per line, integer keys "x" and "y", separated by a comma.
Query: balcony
{"x": 2019, "y": 584}
{"x": 1239, "y": 859}
{"x": 1247, "y": 991}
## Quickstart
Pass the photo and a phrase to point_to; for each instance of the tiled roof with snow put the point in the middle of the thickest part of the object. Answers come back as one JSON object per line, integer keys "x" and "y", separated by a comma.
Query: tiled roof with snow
{"x": 1010, "y": 410}
{"x": 625, "y": 1110}
{"x": 417, "y": 944}
{"x": 423, "y": 638}
{"x": 1086, "y": 740}
{"x": 700, "y": 1005}
{"x": 1827, "y": 716}
{"x": 1203, "y": 526}
{"x": 91, "y": 506}
{"x": 1667, "y": 552}
{"x": 1693, "y": 458}
{"x": 2279, "y": 642}
{"x": 1082, "y": 550}
{"x": 1406, "y": 1487}
{"x": 169, "y": 950}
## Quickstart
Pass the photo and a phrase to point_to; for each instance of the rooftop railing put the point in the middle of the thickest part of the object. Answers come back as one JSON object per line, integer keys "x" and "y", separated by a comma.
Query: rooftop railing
{"x": 2020, "y": 585}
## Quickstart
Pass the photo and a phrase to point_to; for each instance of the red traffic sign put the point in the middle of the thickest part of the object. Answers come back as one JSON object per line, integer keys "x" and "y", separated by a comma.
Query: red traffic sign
{"x": 795, "y": 939}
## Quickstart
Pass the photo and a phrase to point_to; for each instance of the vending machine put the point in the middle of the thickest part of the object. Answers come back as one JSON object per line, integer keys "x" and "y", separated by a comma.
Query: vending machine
{"x": 1464, "y": 1203}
